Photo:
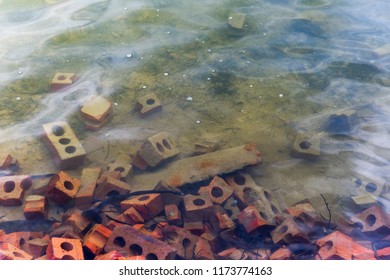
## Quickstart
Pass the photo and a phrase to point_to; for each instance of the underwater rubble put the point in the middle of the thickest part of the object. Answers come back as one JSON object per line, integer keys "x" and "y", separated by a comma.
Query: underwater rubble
{"x": 202, "y": 207}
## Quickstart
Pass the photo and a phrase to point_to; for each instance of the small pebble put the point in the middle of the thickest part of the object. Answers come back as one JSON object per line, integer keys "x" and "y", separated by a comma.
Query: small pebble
{"x": 189, "y": 98}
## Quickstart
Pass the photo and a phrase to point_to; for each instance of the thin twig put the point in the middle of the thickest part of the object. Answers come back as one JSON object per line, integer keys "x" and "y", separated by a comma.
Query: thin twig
{"x": 329, "y": 213}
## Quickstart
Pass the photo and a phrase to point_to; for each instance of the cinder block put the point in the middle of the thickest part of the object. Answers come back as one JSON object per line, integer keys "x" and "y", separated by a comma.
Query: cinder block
{"x": 173, "y": 214}
{"x": 148, "y": 104}
{"x": 157, "y": 149}
{"x": 96, "y": 109}
{"x": 183, "y": 240}
{"x": 218, "y": 190}
{"x": 62, "y": 188}
{"x": 128, "y": 241}
{"x": 197, "y": 208}
{"x": 64, "y": 249}
{"x": 65, "y": 148}
{"x": 62, "y": 80}
{"x": 96, "y": 238}
{"x": 373, "y": 220}
{"x": 35, "y": 207}
{"x": 251, "y": 219}
{"x": 290, "y": 231}
{"x": 88, "y": 182}
{"x": 111, "y": 186}
{"x": 121, "y": 164}
{"x": 306, "y": 147}
{"x": 10, "y": 252}
{"x": 148, "y": 205}
{"x": 12, "y": 189}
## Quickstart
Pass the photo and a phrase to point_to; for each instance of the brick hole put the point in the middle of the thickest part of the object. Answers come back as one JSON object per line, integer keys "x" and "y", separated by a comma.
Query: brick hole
{"x": 120, "y": 169}
{"x": 143, "y": 198}
{"x": 58, "y": 130}
{"x": 17, "y": 254}
{"x": 199, "y": 202}
{"x": 274, "y": 209}
{"x": 67, "y": 246}
{"x": 21, "y": 242}
{"x": 70, "y": 149}
{"x": 119, "y": 241}
{"x": 371, "y": 187}
{"x": 160, "y": 147}
{"x": 166, "y": 144}
{"x": 151, "y": 256}
{"x": 135, "y": 250}
{"x": 185, "y": 243}
{"x": 229, "y": 212}
{"x": 113, "y": 192}
{"x": 67, "y": 258}
{"x": 150, "y": 101}
{"x": 370, "y": 220}
{"x": 358, "y": 182}
{"x": 283, "y": 229}
{"x": 328, "y": 244}
{"x": 239, "y": 180}
{"x": 304, "y": 145}
{"x": 216, "y": 192}
{"x": 9, "y": 186}
{"x": 267, "y": 195}
{"x": 61, "y": 77}
{"x": 263, "y": 215}
{"x": 64, "y": 141}
{"x": 68, "y": 185}
{"x": 26, "y": 183}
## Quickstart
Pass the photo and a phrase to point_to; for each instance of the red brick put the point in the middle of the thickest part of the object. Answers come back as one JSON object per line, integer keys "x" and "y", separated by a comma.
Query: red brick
{"x": 96, "y": 109}
{"x": 96, "y": 238}
{"x": 223, "y": 222}
{"x": 35, "y": 207}
{"x": 134, "y": 215}
{"x": 10, "y": 252}
{"x": 383, "y": 254}
{"x": 12, "y": 189}
{"x": 5, "y": 161}
{"x": 197, "y": 208}
{"x": 17, "y": 239}
{"x": 88, "y": 182}
{"x": 251, "y": 219}
{"x": 64, "y": 249}
{"x": 218, "y": 190}
{"x": 373, "y": 220}
{"x": 148, "y": 205}
{"x": 290, "y": 231}
{"x": 202, "y": 250}
{"x": 281, "y": 254}
{"x": 183, "y": 240}
{"x": 130, "y": 242}
{"x": 78, "y": 220}
{"x": 111, "y": 186}
{"x": 173, "y": 214}
{"x": 62, "y": 188}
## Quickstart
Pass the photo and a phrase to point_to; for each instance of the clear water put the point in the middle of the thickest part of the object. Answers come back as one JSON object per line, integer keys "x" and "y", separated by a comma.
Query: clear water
{"x": 294, "y": 64}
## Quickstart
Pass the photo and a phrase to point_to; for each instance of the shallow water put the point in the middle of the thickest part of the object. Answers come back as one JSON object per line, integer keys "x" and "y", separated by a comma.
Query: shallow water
{"x": 293, "y": 65}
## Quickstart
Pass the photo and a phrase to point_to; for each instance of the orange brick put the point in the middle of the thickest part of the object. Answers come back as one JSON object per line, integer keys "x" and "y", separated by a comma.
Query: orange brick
{"x": 183, "y": 240}
{"x": 88, "y": 182}
{"x": 96, "y": 109}
{"x": 64, "y": 249}
{"x": 202, "y": 250}
{"x": 383, "y": 254}
{"x": 148, "y": 205}
{"x": 374, "y": 220}
{"x": 5, "y": 161}
{"x": 290, "y": 231}
{"x": 121, "y": 164}
{"x": 62, "y": 188}
{"x": 35, "y": 207}
{"x": 111, "y": 186}
{"x": 281, "y": 254}
{"x": 251, "y": 219}
{"x": 218, "y": 190}
{"x": 16, "y": 239}
{"x": 134, "y": 215}
{"x": 96, "y": 238}
{"x": 78, "y": 220}
{"x": 12, "y": 189}
{"x": 10, "y": 252}
{"x": 198, "y": 208}
{"x": 148, "y": 104}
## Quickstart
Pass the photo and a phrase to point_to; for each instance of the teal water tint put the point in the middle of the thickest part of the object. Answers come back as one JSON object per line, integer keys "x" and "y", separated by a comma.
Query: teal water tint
{"x": 292, "y": 65}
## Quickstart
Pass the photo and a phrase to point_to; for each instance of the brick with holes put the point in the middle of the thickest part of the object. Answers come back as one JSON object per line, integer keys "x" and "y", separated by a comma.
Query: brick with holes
{"x": 88, "y": 183}
{"x": 66, "y": 150}
{"x": 121, "y": 164}
{"x": 183, "y": 240}
{"x": 148, "y": 205}
{"x": 62, "y": 188}
{"x": 218, "y": 190}
{"x": 111, "y": 186}
{"x": 128, "y": 241}
{"x": 306, "y": 146}
{"x": 148, "y": 104}
{"x": 290, "y": 231}
{"x": 64, "y": 249}
{"x": 11, "y": 252}
{"x": 374, "y": 220}
{"x": 197, "y": 207}
{"x": 62, "y": 80}
{"x": 251, "y": 219}
{"x": 12, "y": 189}
{"x": 157, "y": 149}
{"x": 96, "y": 238}
{"x": 173, "y": 214}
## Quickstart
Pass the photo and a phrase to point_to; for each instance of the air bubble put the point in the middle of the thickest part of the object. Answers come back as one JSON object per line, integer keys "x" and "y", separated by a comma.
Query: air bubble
{"x": 189, "y": 98}
{"x": 129, "y": 55}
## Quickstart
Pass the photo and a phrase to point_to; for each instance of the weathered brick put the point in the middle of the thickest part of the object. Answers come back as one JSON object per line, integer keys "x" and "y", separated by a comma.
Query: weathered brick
{"x": 62, "y": 80}
{"x": 88, "y": 183}
{"x": 148, "y": 104}
{"x": 64, "y": 249}
{"x": 62, "y": 188}
{"x": 12, "y": 189}
{"x": 35, "y": 207}
{"x": 96, "y": 238}
{"x": 148, "y": 205}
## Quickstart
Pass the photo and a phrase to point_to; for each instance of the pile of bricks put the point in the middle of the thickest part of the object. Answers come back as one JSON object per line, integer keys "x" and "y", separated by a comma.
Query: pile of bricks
{"x": 229, "y": 218}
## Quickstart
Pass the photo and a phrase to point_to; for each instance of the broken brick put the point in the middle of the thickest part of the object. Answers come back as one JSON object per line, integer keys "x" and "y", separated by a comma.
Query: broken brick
{"x": 183, "y": 240}
{"x": 373, "y": 221}
{"x": 62, "y": 188}
{"x": 12, "y": 189}
{"x": 88, "y": 183}
{"x": 111, "y": 186}
{"x": 10, "y": 252}
{"x": 64, "y": 249}
{"x": 282, "y": 253}
{"x": 96, "y": 238}
{"x": 197, "y": 207}
{"x": 218, "y": 190}
{"x": 251, "y": 219}
{"x": 35, "y": 207}
{"x": 290, "y": 231}
{"x": 172, "y": 214}
{"x": 62, "y": 80}
{"x": 148, "y": 104}
{"x": 148, "y": 205}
